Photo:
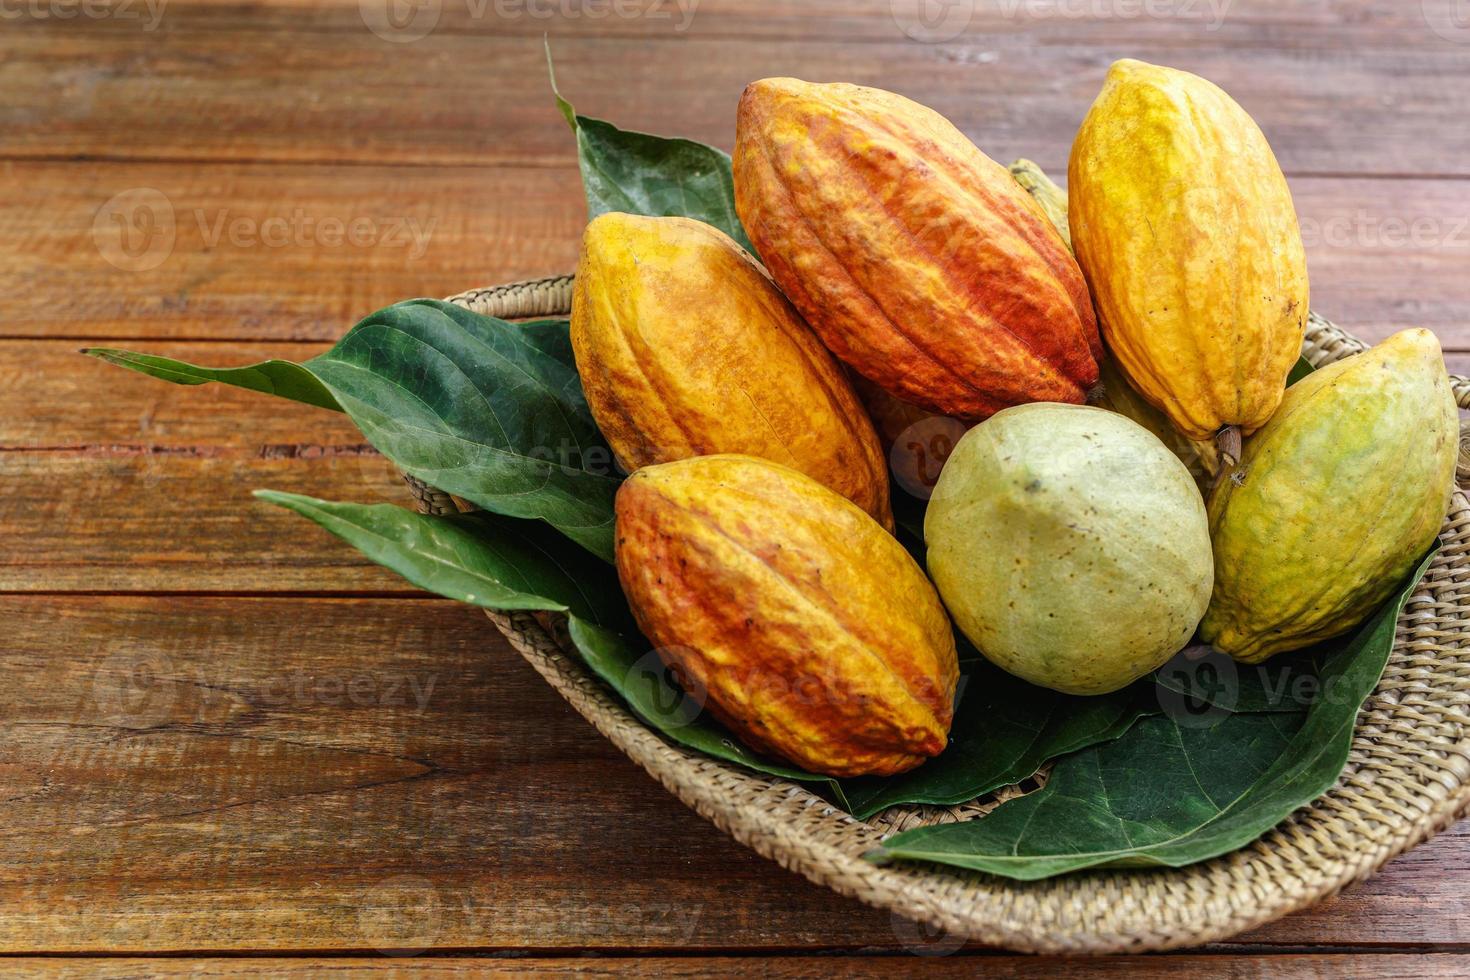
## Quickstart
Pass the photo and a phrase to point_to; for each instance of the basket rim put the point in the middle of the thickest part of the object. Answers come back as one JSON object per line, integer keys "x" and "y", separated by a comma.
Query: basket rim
{"x": 1098, "y": 911}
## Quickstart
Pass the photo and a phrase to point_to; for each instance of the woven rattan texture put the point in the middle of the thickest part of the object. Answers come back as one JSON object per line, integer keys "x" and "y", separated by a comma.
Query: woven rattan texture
{"x": 1407, "y": 777}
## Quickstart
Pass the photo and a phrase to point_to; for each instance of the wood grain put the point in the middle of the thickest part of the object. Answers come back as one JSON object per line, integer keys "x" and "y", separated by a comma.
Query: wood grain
{"x": 1327, "y": 105}
{"x": 290, "y": 769}
{"x": 1264, "y": 22}
{"x": 182, "y": 519}
{"x": 225, "y": 773}
{"x": 1380, "y": 966}
{"x": 1383, "y": 254}
{"x": 262, "y": 252}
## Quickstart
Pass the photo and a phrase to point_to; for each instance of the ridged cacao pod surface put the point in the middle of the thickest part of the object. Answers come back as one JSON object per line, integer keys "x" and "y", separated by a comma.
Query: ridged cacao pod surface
{"x": 686, "y": 348}
{"x": 1070, "y": 545}
{"x": 917, "y": 259}
{"x": 807, "y": 628}
{"x": 1334, "y": 499}
{"x": 1184, "y": 226}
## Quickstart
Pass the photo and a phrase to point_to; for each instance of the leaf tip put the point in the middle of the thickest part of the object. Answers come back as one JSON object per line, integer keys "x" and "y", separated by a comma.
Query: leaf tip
{"x": 562, "y": 105}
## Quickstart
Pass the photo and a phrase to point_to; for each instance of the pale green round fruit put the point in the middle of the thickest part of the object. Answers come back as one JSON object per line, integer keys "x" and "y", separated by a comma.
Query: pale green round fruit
{"x": 1070, "y": 545}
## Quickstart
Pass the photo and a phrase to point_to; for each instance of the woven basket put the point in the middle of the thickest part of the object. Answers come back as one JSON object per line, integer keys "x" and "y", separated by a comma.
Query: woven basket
{"x": 1407, "y": 777}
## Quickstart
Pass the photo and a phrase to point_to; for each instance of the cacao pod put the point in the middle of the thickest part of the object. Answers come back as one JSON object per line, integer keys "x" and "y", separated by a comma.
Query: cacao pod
{"x": 1070, "y": 545}
{"x": 1184, "y": 227}
{"x": 808, "y": 629}
{"x": 685, "y": 348}
{"x": 1334, "y": 500}
{"x": 917, "y": 259}
{"x": 1113, "y": 392}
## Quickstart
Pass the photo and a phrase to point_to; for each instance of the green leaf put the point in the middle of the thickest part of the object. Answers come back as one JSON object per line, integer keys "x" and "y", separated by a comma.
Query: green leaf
{"x": 480, "y": 558}
{"x": 1202, "y": 678}
{"x": 653, "y": 175}
{"x": 488, "y": 410}
{"x": 284, "y": 378}
{"x": 466, "y": 404}
{"x": 635, "y": 672}
{"x": 1004, "y": 730}
{"x": 1171, "y": 792}
{"x": 1299, "y": 370}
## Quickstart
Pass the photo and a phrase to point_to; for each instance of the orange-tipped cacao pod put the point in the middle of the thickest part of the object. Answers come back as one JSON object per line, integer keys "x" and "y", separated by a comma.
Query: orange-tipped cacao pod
{"x": 803, "y": 625}
{"x": 1183, "y": 223}
{"x": 917, "y": 259}
{"x": 686, "y": 348}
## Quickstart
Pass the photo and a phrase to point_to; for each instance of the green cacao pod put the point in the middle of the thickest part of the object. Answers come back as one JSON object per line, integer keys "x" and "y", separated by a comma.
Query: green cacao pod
{"x": 686, "y": 348}
{"x": 1334, "y": 499}
{"x": 1070, "y": 545}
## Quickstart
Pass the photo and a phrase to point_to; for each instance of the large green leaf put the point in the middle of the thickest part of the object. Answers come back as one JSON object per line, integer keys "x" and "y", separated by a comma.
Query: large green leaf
{"x": 286, "y": 379}
{"x": 1171, "y": 791}
{"x": 1004, "y": 730}
{"x": 501, "y": 563}
{"x": 480, "y": 558}
{"x": 488, "y": 410}
{"x": 653, "y": 175}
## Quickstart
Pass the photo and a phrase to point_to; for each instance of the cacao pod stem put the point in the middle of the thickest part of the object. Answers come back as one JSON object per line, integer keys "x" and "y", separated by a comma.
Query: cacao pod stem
{"x": 1227, "y": 446}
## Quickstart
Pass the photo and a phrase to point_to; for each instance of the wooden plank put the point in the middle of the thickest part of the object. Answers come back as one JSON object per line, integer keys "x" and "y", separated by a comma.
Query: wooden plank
{"x": 224, "y": 773}
{"x": 1372, "y": 966}
{"x": 1361, "y": 22}
{"x": 263, "y": 252}
{"x": 1384, "y": 254}
{"x": 1328, "y": 106}
{"x": 53, "y": 399}
{"x": 182, "y": 518}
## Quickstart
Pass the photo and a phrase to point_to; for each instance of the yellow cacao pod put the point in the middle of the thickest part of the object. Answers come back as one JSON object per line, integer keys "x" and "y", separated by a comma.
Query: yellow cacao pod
{"x": 685, "y": 348}
{"x": 1334, "y": 500}
{"x": 917, "y": 259}
{"x": 807, "y": 629}
{"x": 1184, "y": 227}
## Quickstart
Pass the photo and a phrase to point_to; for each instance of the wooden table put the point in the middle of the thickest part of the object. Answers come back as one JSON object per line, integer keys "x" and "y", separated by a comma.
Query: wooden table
{"x": 222, "y": 732}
